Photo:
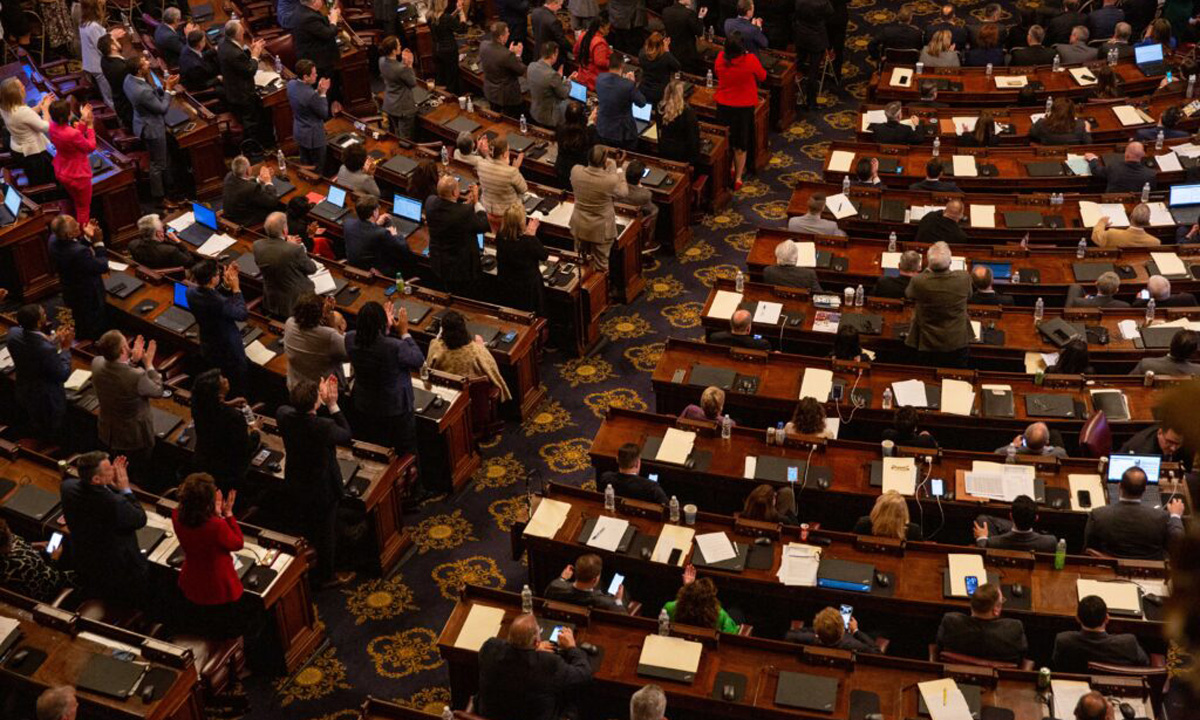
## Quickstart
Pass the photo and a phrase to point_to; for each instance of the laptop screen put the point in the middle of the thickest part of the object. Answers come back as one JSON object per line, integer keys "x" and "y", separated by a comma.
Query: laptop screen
{"x": 1118, "y": 464}
{"x": 1146, "y": 54}
{"x": 578, "y": 92}
{"x": 12, "y": 200}
{"x": 1184, "y": 195}
{"x": 1000, "y": 271}
{"x": 181, "y": 295}
{"x": 205, "y": 216}
{"x": 336, "y": 196}
{"x": 406, "y": 208}
{"x": 641, "y": 112}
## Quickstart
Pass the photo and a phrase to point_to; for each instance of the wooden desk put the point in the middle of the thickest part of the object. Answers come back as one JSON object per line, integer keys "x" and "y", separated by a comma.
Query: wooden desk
{"x": 780, "y": 376}
{"x": 25, "y": 266}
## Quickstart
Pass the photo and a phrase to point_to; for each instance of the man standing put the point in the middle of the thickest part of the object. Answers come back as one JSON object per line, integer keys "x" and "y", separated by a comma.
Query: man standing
{"x": 594, "y": 220}
{"x": 238, "y": 67}
{"x": 125, "y": 424}
{"x": 753, "y": 38}
{"x": 81, "y": 261}
{"x": 524, "y": 679}
{"x": 548, "y": 89}
{"x": 310, "y": 110}
{"x": 248, "y": 200}
{"x": 900, "y": 35}
{"x": 42, "y": 363}
{"x": 616, "y": 92}
{"x": 150, "y": 105}
{"x": 548, "y": 29}
{"x": 941, "y": 329}
{"x": 218, "y": 314}
{"x": 1130, "y": 529}
{"x": 502, "y": 70}
{"x": 285, "y": 267}
{"x": 316, "y": 40}
{"x": 684, "y": 28}
{"x": 453, "y": 229}
{"x": 170, "y": 34}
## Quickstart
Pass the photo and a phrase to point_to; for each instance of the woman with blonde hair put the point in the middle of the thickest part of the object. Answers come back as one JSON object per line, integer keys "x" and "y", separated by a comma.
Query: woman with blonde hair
{"x": 91, "y": 29}
{"x": 712, "y": 404}
{"x": 679, "y": 130}
{"x": 940, "y": 51}
{"x": 27, "y": 128}
{"x": 444, "y": 26}
{"x": 889, "y": 518}
{"x": 658, "y": 66}
{"x": 518, "y": 254}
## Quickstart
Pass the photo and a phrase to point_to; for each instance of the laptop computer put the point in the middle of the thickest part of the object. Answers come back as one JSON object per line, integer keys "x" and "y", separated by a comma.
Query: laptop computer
{"x": 1150, "y": 464}
{"x": 1183, "y": 202}
{"x": 406, "y": 215}
{"x": 578, "y": 92}
{"x": 11, "y": 209}
{"x": 520, "y": 143}
{"x": 333, "y": 207}
{"x": 203, "y": 227}
{"x": 1149, "y": 59}
{"x": 653, "y": 176}
{"x": 181, "y": 296}
{"x": 1000, "y": 271}
{"x": 641, "y": 116}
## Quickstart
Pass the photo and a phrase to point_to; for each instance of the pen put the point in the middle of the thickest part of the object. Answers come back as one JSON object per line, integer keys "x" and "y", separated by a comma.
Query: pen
{"x": 943, "y": 697}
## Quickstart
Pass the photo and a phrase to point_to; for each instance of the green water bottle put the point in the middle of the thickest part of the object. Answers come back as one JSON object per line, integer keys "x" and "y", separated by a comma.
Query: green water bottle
{"x": 399, "y": 284}
{"x": 1060, "y": 554}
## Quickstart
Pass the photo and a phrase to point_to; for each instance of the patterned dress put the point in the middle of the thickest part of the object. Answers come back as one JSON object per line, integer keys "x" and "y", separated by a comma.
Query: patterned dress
{"x": 24, "y": 570}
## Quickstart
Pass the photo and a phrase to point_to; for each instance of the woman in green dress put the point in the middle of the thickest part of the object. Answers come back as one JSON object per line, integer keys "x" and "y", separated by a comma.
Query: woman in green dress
{"x": 696, "y": 604}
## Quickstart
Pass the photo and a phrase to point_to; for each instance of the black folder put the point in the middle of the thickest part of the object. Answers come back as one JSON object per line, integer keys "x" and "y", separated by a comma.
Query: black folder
{"x": 1058, "y": 332}
{"x": 589, "y": 524}
{"x": 107, "y": 675}
{"x": 32, "y": 502}
{"x": 164, "y": 422}
{"x": 1045, "y": 168}
{"x": 998, "y": 404}
{"x": 121, "y": 285}
{"x": 416, "y": 311}
{"x": 176, "y": 116}
{"x": 282, "y": 185}
{"x": 148, "y": 537}
{"x": 1158, "y": 337}
{"x": 247, "y": 266}
{"x": 1113, "y": 405}
{"x": 401, "y": 165}
{"x": 707, "y": 375}
{"x": 770, "y": 467}
{"x": 462, "y": 124}
{"x": 864, "y": 323}
{"x": 737, "y": 563}
{"x": 1086, "y": 272}
{"x": 808, "y": 692}
{"x": 1051, "y": 406}
{"x": 890, "y": 166}
{"x": 175, "y": 319}
{"x": 892, "y": 210}
{"x": 1022, "y": 219}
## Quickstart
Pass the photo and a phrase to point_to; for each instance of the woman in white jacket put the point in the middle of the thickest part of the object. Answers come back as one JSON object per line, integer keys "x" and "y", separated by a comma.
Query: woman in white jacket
{"x": 27, "y": 128}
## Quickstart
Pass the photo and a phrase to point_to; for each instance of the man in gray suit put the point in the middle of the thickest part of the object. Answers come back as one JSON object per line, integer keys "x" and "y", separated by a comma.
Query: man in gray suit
{"x": 502, "y": 71}
{"x": 310, "y": 110}
{"x": 1107, "y": 286}
{"x": 124, "y": 390}
{"x": 1177, "y": 361}
{"x": 150, "y": 105}
{"x": 1130, "y": 529}
{"x": 941, "y": 329}
{"x": 285, "y": 266}
{"x": 1077, "y": 51}
{"x": 548, "y": 89}
{"x": 785, "y": 271}
{"x": 594, "y": 220}
{"x": 812, "y": 222}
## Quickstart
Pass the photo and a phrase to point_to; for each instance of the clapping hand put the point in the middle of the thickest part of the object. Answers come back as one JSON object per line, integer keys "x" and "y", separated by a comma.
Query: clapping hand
{"x": 264, "y": 174}
{"x": 400, "y": 321}
{"x": 224, "y": 505}
{"x": 531, "y": 227}
{"x": 85, "y": 115}
{"x": 65, "y": 336}
{"x": 568, "y": 572}
{"x": 233, "y": 281}
{"x": 703, "y": 12}
{"x": 323, "y": 85}
{"x": 137, "y": 350}
{"x": 120, "y": 473}
{"x": 980, "y": 530}
{"x": 327, "y": 392}
{"x": 406, "y": 57}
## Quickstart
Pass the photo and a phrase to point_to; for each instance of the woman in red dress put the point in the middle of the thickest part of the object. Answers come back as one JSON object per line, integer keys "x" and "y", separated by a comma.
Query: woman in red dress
{"x": 208, "y": 534}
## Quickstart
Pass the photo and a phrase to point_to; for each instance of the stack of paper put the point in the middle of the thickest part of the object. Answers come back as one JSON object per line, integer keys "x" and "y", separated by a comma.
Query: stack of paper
{"x": 945, "y": 701}
{"x": 1129, "y": 115}
{"x": 6, "y": 361}
{"x": 873, "y": 117}
{"x": 725, "y": 304}
{"x": 676, "y": 446}
{"x": 964, "y": 166}
{"x": 1160, "y": 215}
{"x": 916, "y": 212}
{"x": 749, "y": 465}
{"x": 1066, "y": 694}
{"x": 547, "y": 518}
{"x": 1094, "y": 484}
{"x": 891, "y": 260}
{"x": 118, "y": 266}
{"x": 798, "y": 566}
{"x": 806, "y": 254}
{"x": 982, "y": 216}
{"x": 482, "y": 623}
{"x": 825, "y": 321}
{"x": 958, "y": 397}
{"x": 1091, "y": 212}
{"x": 1117, "y": 594}
{"x": 183, "y": 222}
{"x": 1000, "y": 481}
{"x": 1078, "y": 165}
{"x": 1129, "y": 329}
{"x": 715, "y": 547}
{"x": 607, "y": 533}
{"x": 840, "y": 206}
{"x": 816, "y": 384}
{"x": 963, "y": 566}
{"x": 900, "y": 475}
{"x": 561, "y": 214}
{"x": 671, "y": 653}
{"x": 258, "y": 353}
{"x": 1187, "y": 150}
{"x": 262, "y": 78}
{"x": 322, "y": 281}
{"x": 1011, "y": 82}
{"x": 1169, "y": 264}
{"x": 1168, "y": 162}
{"x": 840, "y": 161}
{"x": 1083, "y": 76}
{"x": 958, "y": 262}
{"x": 77, "y": 379}
{"x": 215, "y": 245}
{"x": 901, "y": 77}
{"x": 910, "y": 393}
{"x": 767, "y": 313}
{"x": 672, "y": 537}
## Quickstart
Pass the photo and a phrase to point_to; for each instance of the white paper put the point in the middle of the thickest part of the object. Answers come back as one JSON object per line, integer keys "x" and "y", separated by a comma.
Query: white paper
{"x": 77, "y": 379}
{"x": 322, "y": 281}
{"x": 676, "y": 446}
{"x": 1000, "y": 481}
{"x": 983, "y": 216}
{"x": 1128, "y": 115}
{"x": 806, "y": 254}
{"x": 816, "y": 384}
{"x": 1129, "y": 329}
{"x": 724, "y": 305}
{"x": 216, "y": 245}
{"x": 1168, "y": 264}
{"x": 263, "y": 78}
{"x": 1094, "y": 484}
{"x": 900, "y": 474}
{"x": 117, "y": 266}
{"x": 891, "y": 260}
{"x": 901, "y": 77}
{"x": 483, "y": 623}
{"x": 671, "y": 653}
{"x": 1159, "y": 215}
{"x": 561, "y": 214}
{"x": 958, "y": 262}
{"x": 1011, "y": 81}
{"x": 1091, "y": 212}
{"x": 832, "y": 426}
{"x": 958, "y": 397}
{"x": 183, "y": 222}
{"x": 798, "y": 565}
{"x": 1078, "y": 165}
{"x": 749, "y": 466}
{"x": 715, "y": 547}
{"x": 767, "y": 313}
{"x": 1168, "y": 162}
{"x": 1187, "y": 150}
{"x": 1120, "y": 595}
{"x": 916, "y": 212}
{"x": 976, "y": 333}
{"x": 840, "y": 161}
{"x": 964, "y": 166}
{"x": 547, "y": 518}
{"x": 1083, "y": 76}
{"x": 963, "y": 125}
{"x": 873, "y": 117}
{"x": 258, "y": 353}
{"x": 840, "y": 206}
{"x": 672, "y": 537}
{"x": 963, "y": 565}
{"x": 607, "y": 533}
{"x": 944, "y": 700}
{"x": 911, "y": 393}
{"x": 6, "y": 361}
{"x": 1066, "y": 696}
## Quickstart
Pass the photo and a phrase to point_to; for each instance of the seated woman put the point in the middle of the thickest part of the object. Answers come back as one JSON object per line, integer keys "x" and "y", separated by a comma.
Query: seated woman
{"x": 1108, "y": 84}
{"x": 209, "y": 534}
{"x": 355, "y": 174}
{"x": 984, "y": 134}
{"x": 1060, "y": 126}
{"x": 696, "y": 604}
{"x": 1073, "y": 359}
{"x": 455, "y": 353}
{"x": 829, "y": 630}
{"x": 940, "y": 51}
{"x": 24, "y": 570}
{"x": 711, "y": 407}
{"x": 889, "y": 518}
{"x": 766, "y": 504}
{"x": 848, "y": 346}
{"x": 808, "y": 419}
{"x": 905, "y": 429}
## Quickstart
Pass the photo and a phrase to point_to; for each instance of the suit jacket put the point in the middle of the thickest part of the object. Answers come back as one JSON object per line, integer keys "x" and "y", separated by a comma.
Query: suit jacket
{"x": 1074, "y": 649}
{"x": 892, "y": 286}
{"x": 285, "y": 269}
{"x": 1103, "y": 21}
{"x": 150, "y": 105}
{"x": 936, "y": 226}
{"x": 309, "y": 113}
{"x": 627, "y": 14}
{"x": 237, "y": 73}
{"x": 246, "y": 201}
{"x": 1076, "y": 298}
{"x": 1124, "y": 177}
{"x": 1174, "y": 300}
{"x": 207, "y": 576}
{"x": 1030, "y": 541}
{"x": 958, "y": 33}
{"x": 894, "y": 132}
{"x": 809, "y": 223}
{"x": 548, "y": 92}
{"x": 615, "y": 95}
{"x": 398, "y": 82}
{"x": 169, "y": 42}
{"x": 159, "y": 254}
{"x": 383, "y": 374}
{"x": 1166, "y": 365}
{"x": 547, "y": 28}
{"x": 565, "y": 591}
{"x": 635, "y": 487}
{"x": 217, "y": 315}
{"x": 518, "y": 273}
{"x": 683, "y": 26}
{"x": 124, "y": 392}
{"x": 900, "y": 37}
{"x": 502, "y": 73}
{"x": 811, "y": 17}
{"x": 316, "y": 39}
{"x": 104, "y": 548}
{"x": 1000, "y": 639}
{"x": 1032, "y": 55}
{"x": 224, "y": 444}
{"x": 115, "y": 71}
{"x": 1058, "y": 29}
{"x": 199, "y": 71}
{"x": 81, "y": 269}
{"x": 516, "y": 684}
{"x": 1131, "y": 530}
{"x": 370, "y": 246}
{"x": 1075, "y": 54}
{"x": 858, "y": 642}
{"x": 594, "y": 218}
{"x": 725, "y": 337}
{"x": 792, "y": 276}
{"x": 940, "y": 322}
{"x": 312, "y": 478}
{"x": 453, "y": 250}
{"x": 41, "y": 371}
{"x": 991, "y": 298}
{"x": 1145, "y": 442}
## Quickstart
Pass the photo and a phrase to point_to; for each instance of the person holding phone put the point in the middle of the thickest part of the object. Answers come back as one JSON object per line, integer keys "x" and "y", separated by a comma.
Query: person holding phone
{"x": 983, "y": 633}
{"x": 579, "y": 584}
{"x": 834, "y": 629}
{"x": 30, "y": 569}
{"x": 627, "y": 481}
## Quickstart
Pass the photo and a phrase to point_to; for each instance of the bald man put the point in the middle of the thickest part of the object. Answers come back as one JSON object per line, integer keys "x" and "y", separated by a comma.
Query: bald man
{"x": 1131, "y": 175}
{"x": 524, "y": 678}
{"x": 1034, "y": 441}
{"x": 1093, "y": 706}
{"x": 943, "y": 226}
{"x": 739, "y": 334}
{"x": 1159, "y": 288}
{"x": 453, "y": 229}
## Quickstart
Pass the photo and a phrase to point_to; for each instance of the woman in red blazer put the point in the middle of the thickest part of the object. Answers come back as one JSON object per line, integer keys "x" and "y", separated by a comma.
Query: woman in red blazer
{"x": 73, "y": 144}
{"x": 208, "y": 533}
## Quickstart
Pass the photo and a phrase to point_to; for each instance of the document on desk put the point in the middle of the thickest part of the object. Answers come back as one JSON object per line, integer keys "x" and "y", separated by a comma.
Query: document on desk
{"x": 724, "y": 305}
{"x": 832, "y": 426}
{"x": 6, "y": 361}
{"x": 77, "y": 379}
{"x": 1078, "y": 165}
{"x": 715, "y": 547}
{"x": 944, "y": 700}
{"x": 768, "y": 313}
{"x": 673, "y": 536}
{"x": 1091, "y": 212}
{"x": 1083, "y": 76}
{"x": 1000, "y": 481}
{"x": 547, "y": 518}
{"x": 807, "y": 254}
{"x": 1117, "y": 595}
{"x": 1011, "y": 82}
{"x": 983, "y": 216}
{"x": 1129, "y": 115}
{"x": 840, "y": 161}
{"x": 976, "y": 334}
{"x": 900, "y": 474}
{"x": 901, "y": 77}
{"x": 117, "y": 266}
{"x": 1066, "y": 695}
{"x": 963, "y": 125}
{"x": 891, "y": 260}
{"x": 1168, "y": 162}
{"x": 964, "y": 166}
{"x": 1187, "y": 150}
{"x": 607, "y": 533}
{"x": 258, "y": 353}
{"x": 1129, "y": 329}
{"x": 958, "y": 396}
{"x": 911, "y": 393}
{"x": 322, "y": 281}
{"x": 873, "y": 117}
{"x": 1094, "y": 484}
{"x": 561, "y": 214}
{"x": 263, "y": 78}
{"x": 671, "y": 653}
{"x": 183, "y": 222}
{"x": 798, "y": 565}
{"x": 215, "y": 245}
{"x": 483, "y": 623}
{"x": 749, "y": 466}
{"x": 963, "y": 566}
{"x": 958, "y": 262}
{"x": 676, "y": 446}
{"x": 816, "y": 384}
{"x": 1169, "y": 264}
{"x": 840, "y": 206}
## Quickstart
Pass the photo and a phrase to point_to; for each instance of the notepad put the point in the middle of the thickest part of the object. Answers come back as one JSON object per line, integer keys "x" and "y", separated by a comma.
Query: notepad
{"x": 964, "y": 166}
{"x": 958, "y": 397}
{"x": 263, "y": 78}
{"x": 1168, "y": 162}
{"x": 1129, "y": 115}
{"x": 183, "y": 222}
{"x": 483, "y": 623}
{"x": 767, "y": 313}
{"x": 672, "y": 537}
{"x": 976, "y": 330}
{"x": 840, "y": 161}
{"x": 77, "y": 379}
{"x": 1083, "y": 76}
{"x": 840, "y": 206}
{"x": 983, "y": 216}
{"x": 806, "y": 254}
{"x": 715, "y": 547}
{"x": 117, "y": 266}
{"x": 215, "y": 245}
{"x": 1169, "y": 264}
{"x": 676, "y": 446}
{"x": 1160, "y": 214}
{"x": 322, "y": 281}
{"x": 1011, "y": 82}
{"x": 724, "y": 305}
{"x": 910, "y": 393}
{"x": 900, "y": 474}
{"x": 547, "y": 518}
{"x": 607, "y": 533}
{"x": 798, "y": 565}
{"x": 1091, "y": 212}
{"x": 1117, "y": 595}
{"x": 901, "y": 77}
{"x": 671, "y": 653}
{"x": 258, "y": 353}
{"x": 944, "y": 700}
{"x": 891, "y": 260}
{"x": 816, "y": 384}
{"x": 1078, "y": 165}
{"x": 1094, "y": 484}
{"x": 963, "y": 566}
{"x": 873, "y": 117}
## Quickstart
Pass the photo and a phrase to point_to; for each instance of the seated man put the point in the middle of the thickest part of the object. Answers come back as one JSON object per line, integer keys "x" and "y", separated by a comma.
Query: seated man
{"x": 1119, "y": 42}
{"x": 156, "y": 247}
{"x": 786, "y": 272}
{"x": 1133, "y": 236}
{"x": 866, "y": 172}
{"x": 1130, "y": 529}
{"x": 943, "y": 225}
{"x": 893, "y": 132}
{"x": 1159, "y": 288}
{"x": 1094, "y": 706}
{"x": 983, "y": 292}
{"x": 812, "y": 222}
{"x": 468, "y": 150}
{"x": 1034, "y": 441}
{"x": 372, "y": 243}
{"x": 1168, "y": 124}
{"x": 1159, "y": 439}
{"x": 522, "y": 678}
{"x": 932, "y": 181}
{"x": 1076, "y": 50}
{"x": 739, "y": 334}
{"x": 627, "y": 481}
{"x": 1034, "y": 52}
{"x": 580, "y": 585}
{"x": 1074, "y": 649}
{"x": 248, "y": 200}
{"x": 1020, "y": 535}
{"x": 199, "y": 68}
{"x": 894, "y": 286}
{"x": 984, "y": 633}
{"x": 1107, "y": 286}
{"x": 1129, "y": 176}
{"x": 830, "y": 630}
{"x": 1177, "y": 362}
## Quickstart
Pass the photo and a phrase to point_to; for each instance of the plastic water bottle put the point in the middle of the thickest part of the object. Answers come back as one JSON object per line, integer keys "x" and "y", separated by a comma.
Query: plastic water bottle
{"x": 526, "y": 600}
{"x": 846, "y": 185}
{"x": 858, "y": 296}
{"x": 673, "y": 508}
{"x": 887, "y": 399}
{"x": 610, "y": 498}
{"x": 726, "y": 428}
{"x": 1191, "y": 88}
{"x": 770, "y": 435}
{"x": 892, "y": 241}
{"x": 937, "y": 146}
{"x": 1039, "y": 310}
{"x": 447, "y": 713}
{"x": 664, "y": 623}
{"x": 281, "y": 161}
{"x": 1057, "y": 65}
{"x": 780, "y": 435}
{"x": 445, "y": 156}
{"x": 399, "y": 284}
{"x": 920, "y": 70}
{"x": 1146, "y": 188}
{"x": 278, "y": 65}
{"x": 248, "y": 414}
{"x": 233, "y": 14}
{"x": 470, "y": 104}
{"x": 1112, "y": 57}
{"x": 524, "y": 124}
{"x": 1049, "y": 103}
{"x": 988, "y": 70}
{"x": 1081, "y": 251}
{"x": 1010, "y": 454}
{"x": 425, "y": 372}
{"x": 739, "y": 281}
{"x": 708, "y": 80}
{"x": 1150, "y": 311}
{"x": 1060, "y": 554}
{"x": 1148, "y": 379}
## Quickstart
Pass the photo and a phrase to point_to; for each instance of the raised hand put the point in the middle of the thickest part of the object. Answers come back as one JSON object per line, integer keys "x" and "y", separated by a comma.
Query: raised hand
{"x": 323, "y": 85}
{"x": 137, "y": 349}
{"x": 401, "y": 323}
{"x": 232, "y": 280}
{"x": 121, "y": 473}
{"x": 689, "y": 574}
{"x": 148, "y": 357}
{"x": 227, "y": 506}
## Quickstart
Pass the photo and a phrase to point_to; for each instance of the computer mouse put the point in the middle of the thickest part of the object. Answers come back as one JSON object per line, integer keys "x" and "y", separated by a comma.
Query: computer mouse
{"x": 762, "y": 541}
{"x": 19, "y": 656}
{"x": 354, "y": 289}
{"x": 589, "y": 648}
{"x": 1153, "y": 599}
{"x": 1018, "y": 590}
{"x": 823, "y": 483}
{"x": 728, "y": 692}
{"x": 882, "y": 580}
{"x": 274, "y": 466}
{"x": 1127, "y": 711}
{"x": 147, "y": 693}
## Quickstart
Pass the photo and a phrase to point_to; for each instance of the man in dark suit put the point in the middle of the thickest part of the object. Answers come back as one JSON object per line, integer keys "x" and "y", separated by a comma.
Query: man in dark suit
{"x": 239, "y": 64}
{"x": 983, "y": 633}
{"x": 933, "y": 181}
{"x": 1058, "y": 29}
{"x": 1129, "y": 529}
{"x": 199, "y": 66}
{"x": 1120, "y": 42}
{"x": 502, "y": 70}
{"x": 943, "y": 225}
{"x": 1019, "y": 535}
{"x": 81, "y": 261}
{"x": 580, "y": 585}
{"x": 829, "y": 630}
{"x": 1035, "y": 441}
{"x": 684, "y": 28}
{"x": 1034, "y": 52}
{"x": 983, "y": 292}
{"x": 894, "y": 286}
{"x": 156, "y": 247}
{"x": 285, "y": 267}
{"x": 312, "y": 427}
{"x": 892, "y": 131}
{"x": 1128, "y": 176}
{"x": 453, "y": 229}
{"x": 247, "y": 200}
{"x": 524, "y": 679}
{"x": 1168, "y": 125}
{"x": 627, "y": 481}
{"x": 949, "y": 22}
{"x": 739, "y": 335}
{"x": 1074, "y": 649}
{"x": 940, "y": 331}
{"x": 372, "y": 243}
{"x": 616, "y": 92}
{"x": 170, "y": 34}
{"x": 104, "y": 517}
{"x": 1159, "y": 439}
{"x": 1159, "y": 288}
{"x": 218, "y": 314}
{"x": 1177, "y": 361}
{"x": 42, "y": 363}
{"x": 1107, "y": 286}
{"x": 1102, "y": 22}
{"x": 309, "y": 99}
{"x": 548, "y": 29}
{"x": 316, "y": 40}
{"x": 900, "y": 35}
{"x": 786, "y": 273}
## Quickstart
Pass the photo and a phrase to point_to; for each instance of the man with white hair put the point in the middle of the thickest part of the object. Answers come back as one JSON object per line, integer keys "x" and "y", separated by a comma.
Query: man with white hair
{"x": 941, "y": 330}
{"x": 1159, "y": 288}
{"x": 285, "y": 267}
{"x": 785, "y": 272}
{"x": 1077, "y": 50}
{"x": 239, "y": 64}
{"x": 1107, "y": 286}
{"x": 171, "y": 35}
{"x": 1135, "y": 236}
{"x": 156, "y": 247}
{"x": 893, "y": 286}
{"x": 247, "y": 199}
{"x": 891, "y": 130}
{"x": 649, "y": 703}
{"x": 57, "y": 703}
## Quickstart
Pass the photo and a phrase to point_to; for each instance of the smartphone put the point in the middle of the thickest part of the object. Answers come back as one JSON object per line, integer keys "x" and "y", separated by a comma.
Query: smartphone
{"x": 793, "y": 474}
{"x": 758, "y": 337}
{"x": 617, "y": 580}
{"x": 389, "y": 291}
{"x": 837, "y": 392}
{"x": 847, "y": 612}
{"x": 555, "y": 633}
{"x": 509, "y": 336}
{"x": 653, "y": 477}
{"x": 937, "y": 487}
{"x": 1085, "y": 498}
{"x": 972, "y": 584}
{"x": 1144, "y": 295}
{"x": 55, "y": 541}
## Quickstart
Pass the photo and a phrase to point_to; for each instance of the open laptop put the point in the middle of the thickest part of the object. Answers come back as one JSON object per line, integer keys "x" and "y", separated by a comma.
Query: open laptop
{"x": 177, "y": 318}
{"x": 204, "y": 226}
{"x": 641, "y": 117}
{"x": 1000, "y": 270}
{"x": 1184, "y": 203}
{"x": 180, "y": 298}
{"x": 333, "y": 207}
{"x": 11, "y": 210}
{"x": 1149, "y": 59}
{"x": 406, "y": 215}
{"x": 1118, "y": 464}
{"x": 578, "y": 92}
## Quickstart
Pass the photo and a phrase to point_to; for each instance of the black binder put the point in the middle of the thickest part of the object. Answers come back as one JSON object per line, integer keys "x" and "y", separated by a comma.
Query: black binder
{"x": 589, "y": 524}
{"x": 164, "y": 422}
{"x": 1158, "y": 337}
{"x": 416, "y": 311}
{"x": 107, "y": 675}
{"x": 892, "y": 210}
{"x": 998, "y": 404}
{"x": 707, "y": 375}
{"x": 1022, "y": 219}
{"x": 1057, "y": 331}
{"x": 808, "y": 692}
{"x": 247, "y": 266}
{"x": 401, "y": 165}
{"x": 1045, "y": 168}
{"x": 1086, "y": 272}
{"x": 864, "y": 323}
{"x": 462, "y": 124}
{"x": 175, "y": 319}
{"x": 148, "y": 538}
{"x": 1051, "y": 406}
{"x": 770, "y": 467}
{"x": 1113, "y": 405}
{"x": 32, "y": 502}
{"x": 282, "y": 185}
{"x": 121, "y": 285}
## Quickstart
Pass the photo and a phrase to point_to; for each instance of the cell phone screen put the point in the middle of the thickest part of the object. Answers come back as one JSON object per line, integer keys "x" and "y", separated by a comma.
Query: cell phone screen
{"x": 615, "y": 584}
{"x": 55, "y": 541}
{"x": 554, "y": 633}
{"x": 653, "y": 477}
{"x": 510, "y": 336}
{"x": 972, "y": 584}
{"x": 847, "y": 612}
{"x": 937, "y": 487}
{"x": 837, "y": 392}
{"x": 793, "y": 474}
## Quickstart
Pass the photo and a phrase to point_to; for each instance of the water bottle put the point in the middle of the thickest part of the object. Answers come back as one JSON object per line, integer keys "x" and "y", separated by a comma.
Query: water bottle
{"x": 1146, "y": 190}
{"x": 780, "y": 435}
{"x": 1112, "y": 57}
{"x": 739, "y": 281}
{"x": 1150, "y": 311}
{"x": 920, "y": 68}
{"x": 708, "y": 80}
{"x": 726, "y": 428}
{"x": 610, "y": 498}
{"x": 1057, "y": 66}
{"x": 1060, "y": 554}
{"x": 858, "y": 296}
{"x": 524, "y": 124}
{"x": 278, "y": 65}
{"x": 281, "y": 161}
{"x": 1039, "y": 310}
{"x": 770, "y": 435}
{"x": 470, "y": 104}
{"x": 664, "y": 623}
{"x": 1025, "y": 242}
{"x": 1191, "y": 88}
{"x": 399, "y": 283}
{"x": 526, "y": 600}
{"x": 988, "y": 70}
{"x": 1049, "y": 103}
{"x": 445, "y": 156}
{"x": 892, "y": 241}
{"x": 937, "y": 146}
{"x": 1148, "y": 379}
{"x": 248, "y": 414}
{"x": 1010, "y": 454}
{"x": 1101, "y": 464}
{"x": 673, "y": 508}
{"x": 887, "y": 399}
{"x": 425, "y": 372}
{"x": 447, "y": 713}
{"x": 1081, "y": 251}
{"x": 846, "y": 185}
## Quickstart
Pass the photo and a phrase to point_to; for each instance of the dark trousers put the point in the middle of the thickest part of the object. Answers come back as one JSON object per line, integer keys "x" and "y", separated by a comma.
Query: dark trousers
{"x": 398, "y": 432}
{"x": 403, "y": 126}
{"x": 39, "y": 167}
{"x": 812, "y": 77}
{"x": 320, "y": 529}
{"x": 313, "y": 156}
{"x": 946, "y": 359}
{"x": 512, "y": 111}
{"x": 160, "y": 165}
{"x": 253, "y": 126}
{"x": 90, "y": 323}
